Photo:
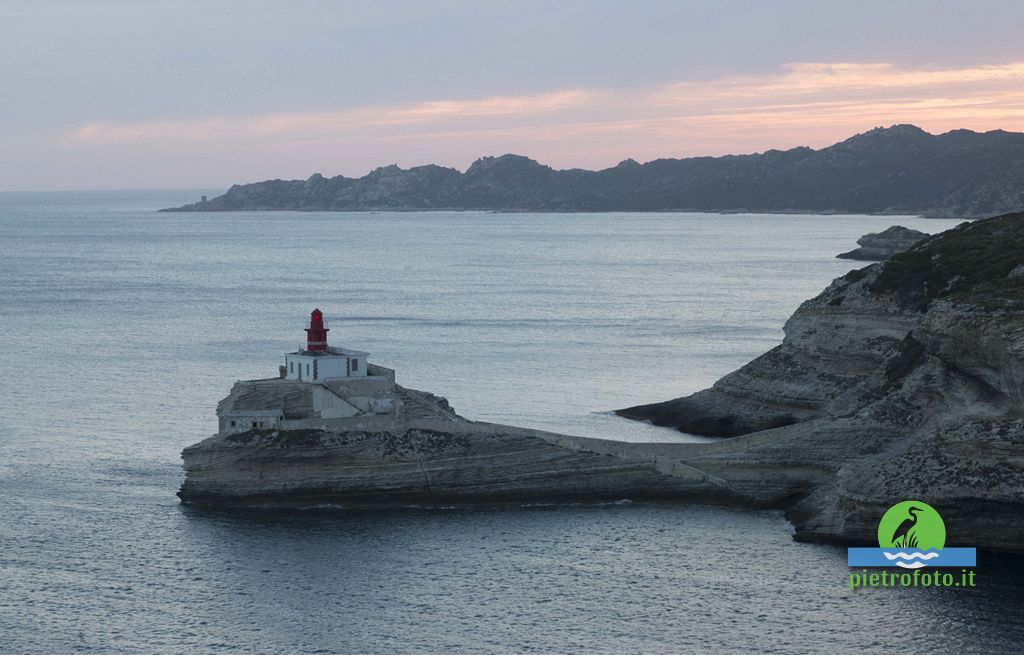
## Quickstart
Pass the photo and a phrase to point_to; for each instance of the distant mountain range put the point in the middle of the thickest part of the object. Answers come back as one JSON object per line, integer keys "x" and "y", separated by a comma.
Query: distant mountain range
{"x": 897, "y": 170}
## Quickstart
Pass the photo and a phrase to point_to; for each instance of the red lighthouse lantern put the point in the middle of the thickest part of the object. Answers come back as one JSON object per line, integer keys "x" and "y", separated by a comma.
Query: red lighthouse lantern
{"x": 316, "y": 333}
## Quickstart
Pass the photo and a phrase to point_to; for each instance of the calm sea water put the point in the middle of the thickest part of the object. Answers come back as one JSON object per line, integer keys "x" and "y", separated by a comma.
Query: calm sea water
{"x": 122, "y": 328}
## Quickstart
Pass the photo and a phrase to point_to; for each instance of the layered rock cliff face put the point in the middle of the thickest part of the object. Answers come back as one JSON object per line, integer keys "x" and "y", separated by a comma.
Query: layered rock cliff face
{"x": 901, "y": 380}
{"x": 421, "y": 453}
{"x": 900, "y": 169}
{"x": 419, "y": 462}
{"x": 877, "y": 247}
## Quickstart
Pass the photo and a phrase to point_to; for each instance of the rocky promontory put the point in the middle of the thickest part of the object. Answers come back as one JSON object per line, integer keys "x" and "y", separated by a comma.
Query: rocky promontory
{"x": 417, "y": 463}
{"x": 901, "y": 380}
{"x": 879, "y": 246}
{"x": 896, "y": 170}
{"x": 366, "y": 442}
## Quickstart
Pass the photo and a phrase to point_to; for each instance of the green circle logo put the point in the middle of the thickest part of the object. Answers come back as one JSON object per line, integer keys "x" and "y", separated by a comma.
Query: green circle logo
{"x": 912, "y": 524}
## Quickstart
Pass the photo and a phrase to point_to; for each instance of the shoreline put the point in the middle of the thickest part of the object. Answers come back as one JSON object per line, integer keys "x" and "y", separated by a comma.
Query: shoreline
{"x": 878, "y": 392}
{"x": 463, "y": 210}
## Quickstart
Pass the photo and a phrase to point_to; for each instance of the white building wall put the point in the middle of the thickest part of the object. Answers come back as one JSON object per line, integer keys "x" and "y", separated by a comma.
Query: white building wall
{"x": 241, "y": 421}
{"x": 330, "y": 367}
{"x": 357, "y": 366}
{"x": 330, "y": 405}
{"x": 294, "y": 367}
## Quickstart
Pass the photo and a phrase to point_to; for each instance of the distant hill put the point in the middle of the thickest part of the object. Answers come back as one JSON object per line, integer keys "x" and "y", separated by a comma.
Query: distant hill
{"x": 897, "y": 170}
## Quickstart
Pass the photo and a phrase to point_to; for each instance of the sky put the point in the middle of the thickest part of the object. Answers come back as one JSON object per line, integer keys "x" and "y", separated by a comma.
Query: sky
{"x": 105, "y": 94}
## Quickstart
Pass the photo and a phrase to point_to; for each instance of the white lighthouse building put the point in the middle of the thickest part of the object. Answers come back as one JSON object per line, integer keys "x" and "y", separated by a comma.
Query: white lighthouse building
{"x": 324, "y": 388}
{"x": 319, "y": 362}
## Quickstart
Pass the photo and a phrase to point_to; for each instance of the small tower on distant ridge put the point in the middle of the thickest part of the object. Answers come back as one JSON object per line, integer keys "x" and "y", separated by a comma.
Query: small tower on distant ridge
{"x": 316, "y": 333}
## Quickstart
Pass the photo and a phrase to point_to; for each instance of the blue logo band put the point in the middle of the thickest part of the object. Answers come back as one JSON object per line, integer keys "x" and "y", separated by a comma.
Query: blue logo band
{"x": 909, "y": 558}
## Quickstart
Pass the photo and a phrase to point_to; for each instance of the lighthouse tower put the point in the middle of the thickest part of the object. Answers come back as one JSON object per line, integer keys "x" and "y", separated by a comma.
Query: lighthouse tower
{"x": 319, "y": 362}
{"x": 316, "y": 333}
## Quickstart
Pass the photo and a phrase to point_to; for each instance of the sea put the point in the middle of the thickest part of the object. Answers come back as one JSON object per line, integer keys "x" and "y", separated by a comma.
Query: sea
{"x": 122, "y": 327}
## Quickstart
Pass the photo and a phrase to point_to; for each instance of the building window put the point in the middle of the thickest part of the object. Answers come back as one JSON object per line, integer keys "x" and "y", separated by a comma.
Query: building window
{"x": 232, "y": 424}
{"x": 355, "y": 364}
{"x": 291, "y": 367}
{"x": 307, "y": 370}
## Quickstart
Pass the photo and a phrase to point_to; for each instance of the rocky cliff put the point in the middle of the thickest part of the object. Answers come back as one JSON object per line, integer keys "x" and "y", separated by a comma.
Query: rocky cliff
{"x": 420, "y": 463}
{"x": 420, "y": 454}
{"x": 901, "y": 169}
{"x": 877, "y": 247}
{"x": 901, "y": 380}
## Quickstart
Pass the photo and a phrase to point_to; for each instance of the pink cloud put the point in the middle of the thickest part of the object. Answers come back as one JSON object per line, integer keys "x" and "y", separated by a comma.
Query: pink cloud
{"x": 219, "y": 128}
{"x": 801, "y": 104}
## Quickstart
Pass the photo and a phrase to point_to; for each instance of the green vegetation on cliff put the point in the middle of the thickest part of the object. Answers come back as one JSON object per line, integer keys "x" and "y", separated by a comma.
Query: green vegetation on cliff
{"x": 980, "y": 262}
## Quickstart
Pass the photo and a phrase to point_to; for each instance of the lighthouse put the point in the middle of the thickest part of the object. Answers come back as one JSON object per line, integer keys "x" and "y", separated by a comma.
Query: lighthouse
{"x": 316, "y": 333}
{"x": 318, "y": 361}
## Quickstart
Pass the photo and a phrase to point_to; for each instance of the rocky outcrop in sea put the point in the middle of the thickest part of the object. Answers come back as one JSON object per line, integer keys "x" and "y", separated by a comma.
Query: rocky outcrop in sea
{"x": 879, "y": 246}
{"x": 367, "y": 443}
{"x": 901, "y": 380}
